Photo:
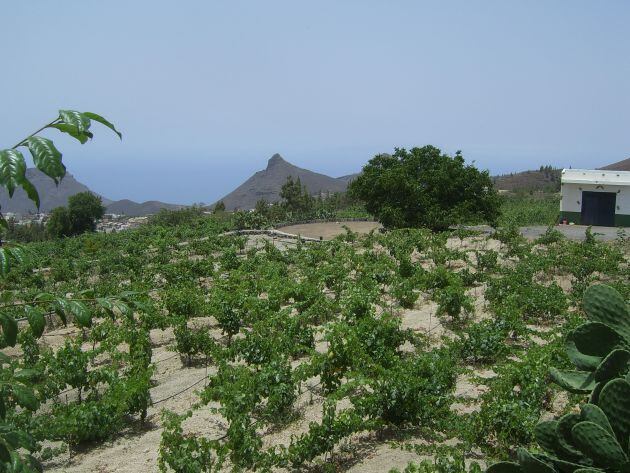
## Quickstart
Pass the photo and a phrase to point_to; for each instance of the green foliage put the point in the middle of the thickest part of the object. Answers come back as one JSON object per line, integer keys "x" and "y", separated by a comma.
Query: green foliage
{"x": 412, "y": 392}
{"x": 45, "y": 155}
{"x": 486, "y": 341}
{"x": 185, "y": 454}
{"x": 244, "y": 220}
{"x": 219, "y": 207}
{"x": 80, "y": 216}
{"x": 85, "y": 209}
{"x": 174, "y": 218}
{"x": 522, "y": 210}
{"x": 24, "y": 232}
{"x": 600, "y": 348}
{"x": 295, "y": 197}
{"x": 453, "y": 301}
{"x": 595, "y": 439}
{"x": 511, "y": 408}
{"x": 423, "y": 187}
{"x": 284, "y": 330}
{"x": 59, "y": 223}
{"x": 442, "y": 464}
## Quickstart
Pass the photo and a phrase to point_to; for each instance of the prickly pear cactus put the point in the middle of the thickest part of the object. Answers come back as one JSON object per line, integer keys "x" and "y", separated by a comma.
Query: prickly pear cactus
{"x": 595, "y": 440}
{"x": 604, "y": 304}
{"x": 600, "y": 348}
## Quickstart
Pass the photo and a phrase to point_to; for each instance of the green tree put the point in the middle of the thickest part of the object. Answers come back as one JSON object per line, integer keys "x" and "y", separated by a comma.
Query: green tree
{"x": 262, "y": 207}
{"x": 85, "y": 209}
{"x": 219, "y": 207}
{"x": 59, "y": 224}
{"x": 424, "y": 187}
{"x": 295, "y": 197}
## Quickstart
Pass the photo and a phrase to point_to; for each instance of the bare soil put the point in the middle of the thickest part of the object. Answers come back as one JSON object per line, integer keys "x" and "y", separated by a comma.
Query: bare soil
{"x": 329, "y": 230}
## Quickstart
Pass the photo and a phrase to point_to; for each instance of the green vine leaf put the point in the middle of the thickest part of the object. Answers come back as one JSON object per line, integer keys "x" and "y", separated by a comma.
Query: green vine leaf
{"x": 12, "y": 169}
{"x": 25, "y": 396}
{"x": 9, "y": 329}
{"x": 5, "y": 453}
{"x": 46, "y": 157}
{"x": 27, "y": 374}
{"x": 31, "y": 192}
{"x": 82, "y": 315}
{"x": 103, "y": 121}
{"x": 76, "y": 119}
{"x": 72, "y": 131}
{"x": 36, "y": 320}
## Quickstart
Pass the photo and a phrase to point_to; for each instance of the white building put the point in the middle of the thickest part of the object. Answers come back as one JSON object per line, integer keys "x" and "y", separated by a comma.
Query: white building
{"x": 595, "y": 197}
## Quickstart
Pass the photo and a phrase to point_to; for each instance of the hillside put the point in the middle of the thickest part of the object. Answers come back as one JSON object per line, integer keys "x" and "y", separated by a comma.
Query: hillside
{"x": 135, "y": 209}
{"x": 51, "y": 195}
{"x": 56, "y": 196}
{"x": 547, "y": 180}
{"x": 266, "y": 184}
{"x": 618, "y": 166}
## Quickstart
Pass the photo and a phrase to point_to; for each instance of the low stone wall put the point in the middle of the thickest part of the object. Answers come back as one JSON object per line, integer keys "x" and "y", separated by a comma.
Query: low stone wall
{"x": 322, "y": 220}
{"x": 271, "y": 233}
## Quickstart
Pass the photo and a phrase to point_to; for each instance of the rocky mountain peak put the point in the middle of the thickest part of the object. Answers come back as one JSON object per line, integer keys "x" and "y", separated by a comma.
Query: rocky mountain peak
{"x": 275, "y": 160}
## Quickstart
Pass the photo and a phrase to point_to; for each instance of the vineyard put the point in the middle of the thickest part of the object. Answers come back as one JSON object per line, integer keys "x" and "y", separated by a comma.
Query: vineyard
{"x": 174, "y": 347}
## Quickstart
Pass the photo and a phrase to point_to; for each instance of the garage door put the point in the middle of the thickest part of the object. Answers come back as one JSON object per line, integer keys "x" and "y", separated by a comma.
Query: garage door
{"x": 598, "y": 208}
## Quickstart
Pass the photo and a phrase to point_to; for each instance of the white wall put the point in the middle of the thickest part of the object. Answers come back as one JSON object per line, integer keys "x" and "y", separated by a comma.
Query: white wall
{"x": 571, "y": 200}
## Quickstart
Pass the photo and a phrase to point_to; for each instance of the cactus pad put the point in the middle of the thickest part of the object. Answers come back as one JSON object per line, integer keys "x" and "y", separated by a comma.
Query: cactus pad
{"x": 530, "y": 464}
{"x": 593, "y": 413}
{"x": 504, "y": 467}
{"x": 615, "y": 364}
{"x": 547, "y": 437}
{"x": 595, "y": 339}
{"x": 600, "y": 445}
{"x": 604, "y": 304}
{"x": 614, "y": 400}
{"x": 579, "y": 382}
{"x": 565, "y": 438}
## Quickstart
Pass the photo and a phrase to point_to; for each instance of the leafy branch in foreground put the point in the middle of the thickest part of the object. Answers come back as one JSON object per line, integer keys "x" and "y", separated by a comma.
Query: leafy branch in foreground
{"x": 47, "y": 158}
{"x": 17, "y": 382}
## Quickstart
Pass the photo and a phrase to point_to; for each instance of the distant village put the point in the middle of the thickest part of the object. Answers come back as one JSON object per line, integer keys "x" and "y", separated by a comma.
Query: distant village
{"x": 110, "y": 223}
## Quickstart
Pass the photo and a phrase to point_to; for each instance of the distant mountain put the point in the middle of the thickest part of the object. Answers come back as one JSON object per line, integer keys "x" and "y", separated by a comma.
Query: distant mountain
{"x": 51, "y": 195}
{"x": 57, "y": 196}
{"x": 544, "y": 179}
{"x": 618, "y": 166}
{"x": 134, "y": 209}
{"x": 350, "y": 177}
{"x": 547, "y": 180}
{"x": 266, "y": 184}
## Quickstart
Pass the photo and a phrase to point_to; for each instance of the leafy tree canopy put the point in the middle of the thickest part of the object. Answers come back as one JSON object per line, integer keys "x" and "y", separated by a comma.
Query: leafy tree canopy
{"x": 295, "y": 197}
{"x": 83, "y": 210}
{"x": 219, "y": 207}
{"x": 424, "y": 187}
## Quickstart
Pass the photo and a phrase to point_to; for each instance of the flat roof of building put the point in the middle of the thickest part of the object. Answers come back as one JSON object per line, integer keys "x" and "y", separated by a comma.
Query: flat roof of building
{"x": 595, "y": 176}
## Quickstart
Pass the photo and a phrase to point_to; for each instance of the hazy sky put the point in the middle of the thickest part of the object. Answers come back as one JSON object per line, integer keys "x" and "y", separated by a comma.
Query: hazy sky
{"x": 206, "y": 91}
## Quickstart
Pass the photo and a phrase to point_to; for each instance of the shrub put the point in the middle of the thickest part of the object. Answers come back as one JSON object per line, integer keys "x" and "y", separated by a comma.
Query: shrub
{"x": 423, "y": 187}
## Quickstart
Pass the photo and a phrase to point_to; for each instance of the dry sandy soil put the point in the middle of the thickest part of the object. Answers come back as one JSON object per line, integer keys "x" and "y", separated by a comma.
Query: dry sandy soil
{"x": 328, "y": 230}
